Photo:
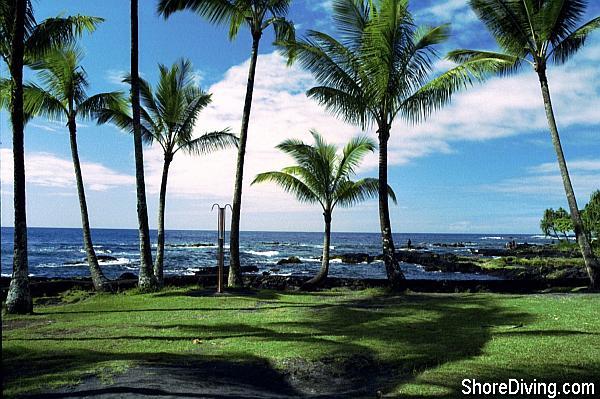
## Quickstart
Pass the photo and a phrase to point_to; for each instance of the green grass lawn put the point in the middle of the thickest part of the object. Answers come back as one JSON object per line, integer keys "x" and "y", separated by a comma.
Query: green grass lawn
{"x": 426, "y": 343}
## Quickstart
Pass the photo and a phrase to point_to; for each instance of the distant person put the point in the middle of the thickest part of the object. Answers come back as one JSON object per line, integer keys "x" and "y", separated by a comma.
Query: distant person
{"x": 409, "y": 244}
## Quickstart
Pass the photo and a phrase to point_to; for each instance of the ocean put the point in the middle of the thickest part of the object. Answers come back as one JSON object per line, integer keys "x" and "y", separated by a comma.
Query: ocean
{"x": 58, "y": 252}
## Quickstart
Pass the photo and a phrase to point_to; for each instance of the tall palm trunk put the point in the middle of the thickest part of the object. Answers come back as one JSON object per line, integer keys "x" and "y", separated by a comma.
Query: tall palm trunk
{"x": 392, "y": 267}
{"x": 235, "y": 273}
{"x": 160, "y": 250}
{"x": 18, "y": 299}
{"x": 591, "y": 262}
{"x": 322, "y": 275}
{"x": 147, "y": 280}
{"x": 98, "y": 278}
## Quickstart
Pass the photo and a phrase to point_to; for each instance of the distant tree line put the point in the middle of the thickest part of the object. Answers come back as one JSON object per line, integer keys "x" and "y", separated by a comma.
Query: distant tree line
{"x": 558, "y": 223}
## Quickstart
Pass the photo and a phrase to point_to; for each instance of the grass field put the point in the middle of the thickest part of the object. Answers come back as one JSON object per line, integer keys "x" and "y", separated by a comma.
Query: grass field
{"x": 414, "y": 345}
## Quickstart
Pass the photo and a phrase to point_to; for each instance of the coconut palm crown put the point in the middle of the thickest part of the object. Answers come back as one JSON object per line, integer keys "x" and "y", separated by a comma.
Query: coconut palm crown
{"x": 257, "y": 16}
{"x": 537, "y": 33}
{"x": 44, "y": 36}
{"x": 380, "y": 66}
{"x": 322, "y": 176}
{"x": 168, "y": 117}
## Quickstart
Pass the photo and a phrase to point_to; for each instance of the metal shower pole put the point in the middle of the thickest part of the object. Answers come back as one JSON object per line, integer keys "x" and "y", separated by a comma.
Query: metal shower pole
{"x": 221, "y": 255}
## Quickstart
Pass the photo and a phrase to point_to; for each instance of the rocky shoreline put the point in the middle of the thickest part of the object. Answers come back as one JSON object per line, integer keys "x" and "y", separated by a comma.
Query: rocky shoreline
{"x": 526, "y": 268}
{"x": 49, "y": 287}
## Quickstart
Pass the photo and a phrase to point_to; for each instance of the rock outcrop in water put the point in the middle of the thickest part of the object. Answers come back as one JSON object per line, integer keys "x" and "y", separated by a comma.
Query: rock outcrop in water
{"x": 354, "y": 258}
{"x": 290, "y": 260}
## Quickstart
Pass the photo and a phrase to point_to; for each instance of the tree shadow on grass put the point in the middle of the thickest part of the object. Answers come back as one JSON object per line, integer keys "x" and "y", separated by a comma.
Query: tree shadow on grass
{"x": 361, "y": 346}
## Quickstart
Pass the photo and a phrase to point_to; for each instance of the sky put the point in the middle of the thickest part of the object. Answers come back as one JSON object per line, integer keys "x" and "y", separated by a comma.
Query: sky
{"x": 483, "y": 164}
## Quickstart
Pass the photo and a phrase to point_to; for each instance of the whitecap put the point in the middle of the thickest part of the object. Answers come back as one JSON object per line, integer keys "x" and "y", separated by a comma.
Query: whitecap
{"x": 115, "y": 262}
{"x": 310, "y": 260}
{"x": 263, "y": 253}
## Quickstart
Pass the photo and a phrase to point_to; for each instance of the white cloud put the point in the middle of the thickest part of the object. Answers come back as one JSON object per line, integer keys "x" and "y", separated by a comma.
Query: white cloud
{"x": 115, "y": 77}
{"x": 457, "y": 12}
{"x": 48, "y": 170}
{"x": 499, "y": 108}
{"x": 322, "y": 5}
{"x": 280, "y": 110}
{"x": 545, "y": 180}
{"x": 591, "y": 165}
{"x": 44, "y": 127}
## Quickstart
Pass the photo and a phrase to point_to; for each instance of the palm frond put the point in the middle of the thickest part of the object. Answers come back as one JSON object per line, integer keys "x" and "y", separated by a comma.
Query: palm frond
{"x": 328, "y": 60}
{"x": 307, "y": 176}
{"x": 209, "y": 142}
{"x": 350, "y": 108}
{"x": 558, "y": 18}
{"x": 289, "y": 184}
{"x": 90, "y": 107}
{"x": 278, "y": 7}
{"x": 563, "y": 50}
{"x": 351, "y": 193}
{"x": 215, "y": 11}
{"x": 474, "y": 66}
{"x": 39, "y": 102}
{"x": 61, "y": 74}
{"x": 196, "y": 100}
{"x": 350, "y": 18}
{"x": 56, "y": 32}
{"x": 285, "y": 32}
{"x": 118, "y": 115}
{"x": 5, "y": 93}
{"x": 352, "y": 155}
{"x": 508, "y": 23}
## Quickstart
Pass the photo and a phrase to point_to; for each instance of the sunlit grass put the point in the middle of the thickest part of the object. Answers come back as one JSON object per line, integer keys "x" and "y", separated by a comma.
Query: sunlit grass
{"x": 430, "y": 342}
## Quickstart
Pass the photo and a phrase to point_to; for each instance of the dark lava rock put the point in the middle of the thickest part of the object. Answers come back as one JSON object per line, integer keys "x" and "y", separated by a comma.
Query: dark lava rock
{"x": 290, "y": 260}
{"x": 195, "y": 245}
{"x": 128, "y": 276}
{"x": 451, "y": 245}
{"x": 214, "y": 270}
{"x": 106, "y": 258}
{"x": 354, "y": 258}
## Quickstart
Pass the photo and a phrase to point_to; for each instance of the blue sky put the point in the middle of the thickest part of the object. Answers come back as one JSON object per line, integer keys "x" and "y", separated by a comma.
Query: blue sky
{"x": 483, "y": 164}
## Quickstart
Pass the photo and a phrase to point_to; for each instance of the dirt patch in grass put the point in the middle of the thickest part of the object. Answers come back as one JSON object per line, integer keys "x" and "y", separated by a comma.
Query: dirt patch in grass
{"x": 13, "y": 324}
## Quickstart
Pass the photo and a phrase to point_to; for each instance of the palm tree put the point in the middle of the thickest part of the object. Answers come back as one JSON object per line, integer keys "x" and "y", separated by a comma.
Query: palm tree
{"x": 64, "y": 97}
{"x": 146, "y": 280}
{"x": 379, "y": 69}
{"x": 168, "y": 118}
{"x": 22, "y": 39}
{"x": 322, "y": 176}
{"x": 258, "y": 15}
{"x": 538, "y": 33}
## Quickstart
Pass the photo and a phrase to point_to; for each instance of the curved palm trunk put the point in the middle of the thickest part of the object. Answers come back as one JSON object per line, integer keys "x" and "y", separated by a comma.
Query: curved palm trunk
{"x": 160, "y": 250}
{"x": 100, "y": 281}
{"x": 235, "y": 274}
{"x": 18, "y": 299}
{"x": 322, "y": 275}
{"x": 147, "y": 280}
{"x": 392, "y": 267}
{"x": 591, "y": 262}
